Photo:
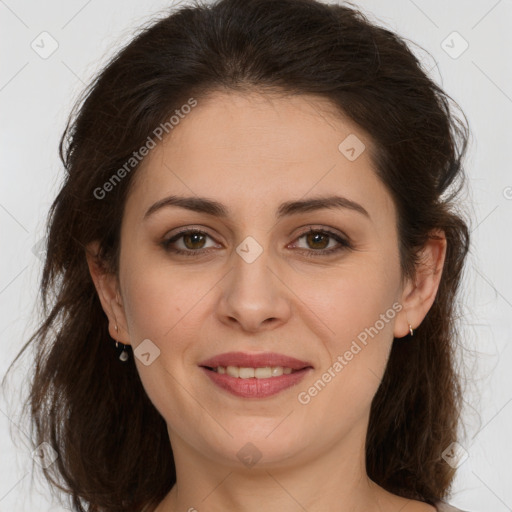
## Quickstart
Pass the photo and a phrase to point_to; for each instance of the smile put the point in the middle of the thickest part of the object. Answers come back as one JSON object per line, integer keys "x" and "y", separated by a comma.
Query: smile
{"x": 254, "y": 375}
{"x": 243, "y": 372}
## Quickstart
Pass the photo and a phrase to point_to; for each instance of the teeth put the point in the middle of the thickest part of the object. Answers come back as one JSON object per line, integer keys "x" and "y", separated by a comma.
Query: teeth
{"x": 246, "y": 373}
{"x": 262, "y": 373}
{"x": 233, "y": 371}
{"x": 249, "y": 373}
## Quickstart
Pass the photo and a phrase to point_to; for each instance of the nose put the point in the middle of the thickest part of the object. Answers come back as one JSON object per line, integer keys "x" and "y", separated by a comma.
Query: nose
{"x": 254, "y": 297}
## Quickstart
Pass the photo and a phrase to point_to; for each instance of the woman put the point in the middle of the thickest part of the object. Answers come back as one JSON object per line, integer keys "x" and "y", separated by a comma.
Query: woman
{"x": 252, "y": 270}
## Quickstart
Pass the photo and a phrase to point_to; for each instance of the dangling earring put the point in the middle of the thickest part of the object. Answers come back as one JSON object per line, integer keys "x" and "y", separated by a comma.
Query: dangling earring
{"x": 124, "y": 355}
{"x": 411, "y": 332}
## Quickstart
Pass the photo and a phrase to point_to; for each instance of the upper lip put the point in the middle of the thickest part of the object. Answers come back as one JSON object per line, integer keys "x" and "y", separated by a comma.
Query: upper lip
{"x": 247, "y": 360}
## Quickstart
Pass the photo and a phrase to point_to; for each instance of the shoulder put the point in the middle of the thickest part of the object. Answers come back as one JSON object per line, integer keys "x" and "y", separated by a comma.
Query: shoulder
{"x": 441, "y": 506}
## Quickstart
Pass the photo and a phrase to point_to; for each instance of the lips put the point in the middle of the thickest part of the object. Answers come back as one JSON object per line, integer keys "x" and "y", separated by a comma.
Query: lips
{"x": 252, "y": 387}
{"x": 243, "y": 359}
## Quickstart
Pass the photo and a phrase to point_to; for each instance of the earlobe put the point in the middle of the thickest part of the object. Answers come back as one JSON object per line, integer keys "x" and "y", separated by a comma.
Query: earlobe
{"x": 107, "y": 288}
{"x": 420, "y": 292}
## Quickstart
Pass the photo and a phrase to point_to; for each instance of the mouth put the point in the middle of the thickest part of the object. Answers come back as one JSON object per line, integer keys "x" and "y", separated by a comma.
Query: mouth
{"x": 255, "y": 375}
{"x": 244, "y": 372}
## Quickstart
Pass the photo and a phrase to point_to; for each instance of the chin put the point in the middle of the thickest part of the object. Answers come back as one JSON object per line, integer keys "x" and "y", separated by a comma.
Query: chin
{"x": 262, "y": 443}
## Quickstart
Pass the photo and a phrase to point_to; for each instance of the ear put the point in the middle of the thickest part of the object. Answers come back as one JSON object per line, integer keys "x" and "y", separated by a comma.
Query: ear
{"x": 420, "y": 291}
{"x": 109, "y": 294}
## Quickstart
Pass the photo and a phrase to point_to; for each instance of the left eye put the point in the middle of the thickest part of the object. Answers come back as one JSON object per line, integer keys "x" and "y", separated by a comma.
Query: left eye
{"x": 194, "y": 242}
{"x": 319, "y": 236}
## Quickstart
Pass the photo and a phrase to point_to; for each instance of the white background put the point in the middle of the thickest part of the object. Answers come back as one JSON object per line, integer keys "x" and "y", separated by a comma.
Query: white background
{"x": 36, "y": 95}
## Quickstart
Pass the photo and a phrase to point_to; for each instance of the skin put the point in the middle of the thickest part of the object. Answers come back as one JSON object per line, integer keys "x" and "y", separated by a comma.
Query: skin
{"x": 252, "y": 152}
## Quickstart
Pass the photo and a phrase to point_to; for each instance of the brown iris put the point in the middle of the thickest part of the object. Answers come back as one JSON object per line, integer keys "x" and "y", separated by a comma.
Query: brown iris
{"x": 195, "y": 239}
{"x": 314, "y": 236}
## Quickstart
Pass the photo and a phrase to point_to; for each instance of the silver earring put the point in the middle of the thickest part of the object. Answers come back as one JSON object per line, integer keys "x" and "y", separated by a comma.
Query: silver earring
{"x": 124, "y": 355}
{"x": 410, "y": 330}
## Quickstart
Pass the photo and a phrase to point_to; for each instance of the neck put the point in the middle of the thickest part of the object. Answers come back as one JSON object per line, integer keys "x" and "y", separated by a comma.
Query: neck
{"x": 333, "y": 480}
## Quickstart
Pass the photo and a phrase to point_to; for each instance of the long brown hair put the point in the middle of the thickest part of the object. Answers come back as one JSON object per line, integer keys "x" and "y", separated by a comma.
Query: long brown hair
{"x": 113, "y": 446}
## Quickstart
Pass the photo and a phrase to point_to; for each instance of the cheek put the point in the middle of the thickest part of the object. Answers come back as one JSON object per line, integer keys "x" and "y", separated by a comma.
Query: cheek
{"x": 359, "y": 307}
{"x": 354, "y": 298}
{"x": 159, "y": 308}
{"x": 161, "y": 299}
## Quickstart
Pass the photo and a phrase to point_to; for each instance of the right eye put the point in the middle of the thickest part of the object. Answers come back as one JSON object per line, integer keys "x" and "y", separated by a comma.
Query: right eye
{"x": 192, "y": 239}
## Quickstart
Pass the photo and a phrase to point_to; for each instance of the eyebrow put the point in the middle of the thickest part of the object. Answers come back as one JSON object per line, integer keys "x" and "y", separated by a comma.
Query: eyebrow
{"x": 288, "y": 208}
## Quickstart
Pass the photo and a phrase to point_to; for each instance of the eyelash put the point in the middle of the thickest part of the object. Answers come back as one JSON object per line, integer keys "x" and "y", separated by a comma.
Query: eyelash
{"x": 344, "y": 244}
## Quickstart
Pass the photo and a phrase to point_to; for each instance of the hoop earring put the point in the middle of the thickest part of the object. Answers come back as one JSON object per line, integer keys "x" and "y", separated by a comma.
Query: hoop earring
{"x": 411, "y": 332}
{"x": 124, "y": 355}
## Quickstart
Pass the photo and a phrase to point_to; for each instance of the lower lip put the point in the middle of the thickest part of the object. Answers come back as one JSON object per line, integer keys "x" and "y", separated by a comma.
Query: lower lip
{"x": 256, "y": 388}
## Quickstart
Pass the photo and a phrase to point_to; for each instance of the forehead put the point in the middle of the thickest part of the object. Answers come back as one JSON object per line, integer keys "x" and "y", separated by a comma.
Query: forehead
{"x": 261, "y": 149}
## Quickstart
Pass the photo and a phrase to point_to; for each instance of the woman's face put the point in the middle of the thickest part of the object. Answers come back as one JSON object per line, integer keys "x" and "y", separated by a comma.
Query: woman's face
{"x": 247, "y": 283}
